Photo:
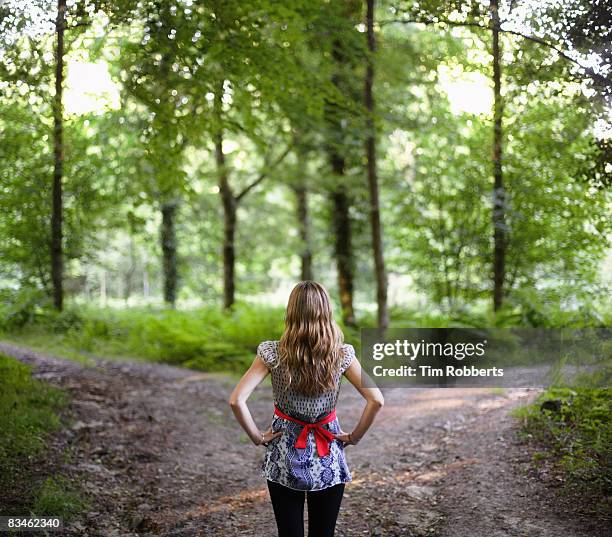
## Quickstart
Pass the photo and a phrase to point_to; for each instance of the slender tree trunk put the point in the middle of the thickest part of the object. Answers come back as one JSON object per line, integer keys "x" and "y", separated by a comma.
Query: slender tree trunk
{"x": 57, "y": 264}
{"x": 377, "y": 239}
{"x": 344, "y": 254}
{"x": 342, "y": 242}
{"x": 341, "y": 221}
{"x": 231, "y": 201}
{"x": 103, "y": 287}
{"x": 129, "y": 273}
{"x": 145, "y": 283}
{"x": 301, "y": 196}
{"x": 229, "y": 225}
{"x": 499, "y": 192}
{"x": 229, "y": 209}
{"x": 229, "y": 252}
{"x": 168, "y": 244}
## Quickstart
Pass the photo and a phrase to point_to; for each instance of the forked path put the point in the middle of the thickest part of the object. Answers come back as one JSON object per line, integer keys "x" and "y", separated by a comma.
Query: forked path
{"x": 158, "y": 453}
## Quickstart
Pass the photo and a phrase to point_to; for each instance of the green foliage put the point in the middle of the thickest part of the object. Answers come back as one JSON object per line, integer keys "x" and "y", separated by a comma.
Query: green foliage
{"x": 90, "y": 188}
{"x": 19, "y": 308}
{"x": 196, "y": 340}
{"x": 545, "y": 308}
{"x": 276, "y": 64}
{"x": 31, "y": 307}
{"x": 206, "y": 338}
{"x": 58, "y": 497}
{"x": 24, "y": 192}
{"x": 209, "y": 339}
{"x": 28, "y": 412}
{"x": 577, "y": 436}
{"x": 557, "y": 221}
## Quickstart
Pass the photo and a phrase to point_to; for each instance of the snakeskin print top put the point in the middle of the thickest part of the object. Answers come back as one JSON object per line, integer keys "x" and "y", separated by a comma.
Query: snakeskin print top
{"x": 303, "y": 407}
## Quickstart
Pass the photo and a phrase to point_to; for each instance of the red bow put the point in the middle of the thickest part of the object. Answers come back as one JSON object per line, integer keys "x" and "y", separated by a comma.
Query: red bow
{"x": 323, "y": 437}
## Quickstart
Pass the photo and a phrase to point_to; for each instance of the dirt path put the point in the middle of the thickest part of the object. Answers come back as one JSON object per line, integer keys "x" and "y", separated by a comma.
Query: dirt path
{"x": 158, "y": 451}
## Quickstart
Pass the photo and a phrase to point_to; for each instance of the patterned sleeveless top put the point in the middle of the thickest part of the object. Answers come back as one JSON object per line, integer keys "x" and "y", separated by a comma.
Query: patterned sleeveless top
{"x": 302, "y": 469}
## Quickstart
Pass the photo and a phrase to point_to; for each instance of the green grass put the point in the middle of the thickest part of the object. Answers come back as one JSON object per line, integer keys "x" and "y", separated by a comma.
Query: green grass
{"x": 28, "y": 415}
{"x": 27, "y": 411}
{"x": 58, "y": 497}
{"x": 205, "y": 339}
{"x": 576, "y": 440}
{"x": 209, "y": 339}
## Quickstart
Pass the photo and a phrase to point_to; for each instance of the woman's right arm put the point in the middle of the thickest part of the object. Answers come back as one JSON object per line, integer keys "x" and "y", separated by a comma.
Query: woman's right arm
{"x": 250, "y": 380}
{"x": 374, "y": 401}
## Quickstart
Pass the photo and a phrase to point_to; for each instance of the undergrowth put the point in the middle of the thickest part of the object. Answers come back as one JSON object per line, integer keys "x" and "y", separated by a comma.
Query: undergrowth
{"x": 29, "y": 413}
{"x": 572, "y": 430}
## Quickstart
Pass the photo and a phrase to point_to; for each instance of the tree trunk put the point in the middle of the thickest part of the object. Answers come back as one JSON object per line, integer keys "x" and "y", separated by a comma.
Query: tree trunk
{"x": 168, "y": 245}
{"x": 229, "y": 225}
{"x": 103, "y": 287}
{"x": 499, "y": 192}
{"x": 341, "y": 221}
{"x": 57, "y": 265}
{"x": 229, "y": 208}
{"x": 344, "y": 254}
{"x": 229, "y": 251}
{"x": 145, "y": 283}
{"x": 129, "y": 273}
{"x": 301, "y": 196}
{"x": 377, "y": 240}
{"x": 342, "y": 242}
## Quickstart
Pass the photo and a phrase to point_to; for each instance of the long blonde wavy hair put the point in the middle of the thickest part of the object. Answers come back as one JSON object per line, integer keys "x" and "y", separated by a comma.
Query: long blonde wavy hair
{"x": 310, "y": 349}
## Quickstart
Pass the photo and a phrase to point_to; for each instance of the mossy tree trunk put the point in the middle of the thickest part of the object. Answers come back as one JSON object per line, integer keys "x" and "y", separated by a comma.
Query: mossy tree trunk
{"x": 169, "y": 251}
{"x": 341, "y": 220}
{"x": 499, "y": 191}
{"x": 301, "y": 196}
{"x": 372, "y": 172}
{"x": 57, "y": 261}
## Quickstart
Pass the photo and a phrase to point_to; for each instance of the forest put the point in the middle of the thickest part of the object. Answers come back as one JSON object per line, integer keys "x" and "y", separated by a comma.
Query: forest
{"x": 169, "y": 169}
{"x": 462, "y": 160}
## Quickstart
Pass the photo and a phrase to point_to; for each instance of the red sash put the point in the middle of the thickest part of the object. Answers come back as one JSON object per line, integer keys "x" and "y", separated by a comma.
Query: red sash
{"x": 323, "y": 437}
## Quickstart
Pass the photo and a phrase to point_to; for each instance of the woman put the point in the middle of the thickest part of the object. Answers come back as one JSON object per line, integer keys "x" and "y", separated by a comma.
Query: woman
{"x": 305, "y": 445}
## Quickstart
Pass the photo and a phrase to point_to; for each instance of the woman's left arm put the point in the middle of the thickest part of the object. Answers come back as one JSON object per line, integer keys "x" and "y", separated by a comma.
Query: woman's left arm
{"x": 251, "y": 379}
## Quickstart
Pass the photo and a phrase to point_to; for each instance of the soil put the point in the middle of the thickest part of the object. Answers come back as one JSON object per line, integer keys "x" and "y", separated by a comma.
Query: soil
{"x": 157, "y": 452}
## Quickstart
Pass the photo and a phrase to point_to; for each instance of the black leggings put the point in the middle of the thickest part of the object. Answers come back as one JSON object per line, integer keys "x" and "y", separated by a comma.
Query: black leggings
{"x": 323, "y": 508}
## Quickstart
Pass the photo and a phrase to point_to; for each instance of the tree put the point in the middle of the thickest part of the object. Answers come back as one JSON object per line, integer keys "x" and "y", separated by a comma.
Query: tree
{"x": 230, "y": 201}
{"x": 470, "y": 14}
{"x": 447, "y": 184}
{"x": 301, "y": 196}
{"x": 35, "y": 39}
{"x": 300, "y": 185}
{"x": 499, "y": 191}
{"x": 340, "y": 106}
{"x": 151, "y": 77}
{"x": 370, "y": 147}
{"x": 57, "y": 264}
{"x": 260, "y": 82}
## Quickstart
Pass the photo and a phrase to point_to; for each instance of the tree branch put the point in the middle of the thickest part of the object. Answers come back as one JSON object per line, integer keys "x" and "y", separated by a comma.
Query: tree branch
{"x": 262, "y": 176}
{"x": 430, "y": 21}
{"x": 78, "y": 25}
{"x": 586, "y": 70}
